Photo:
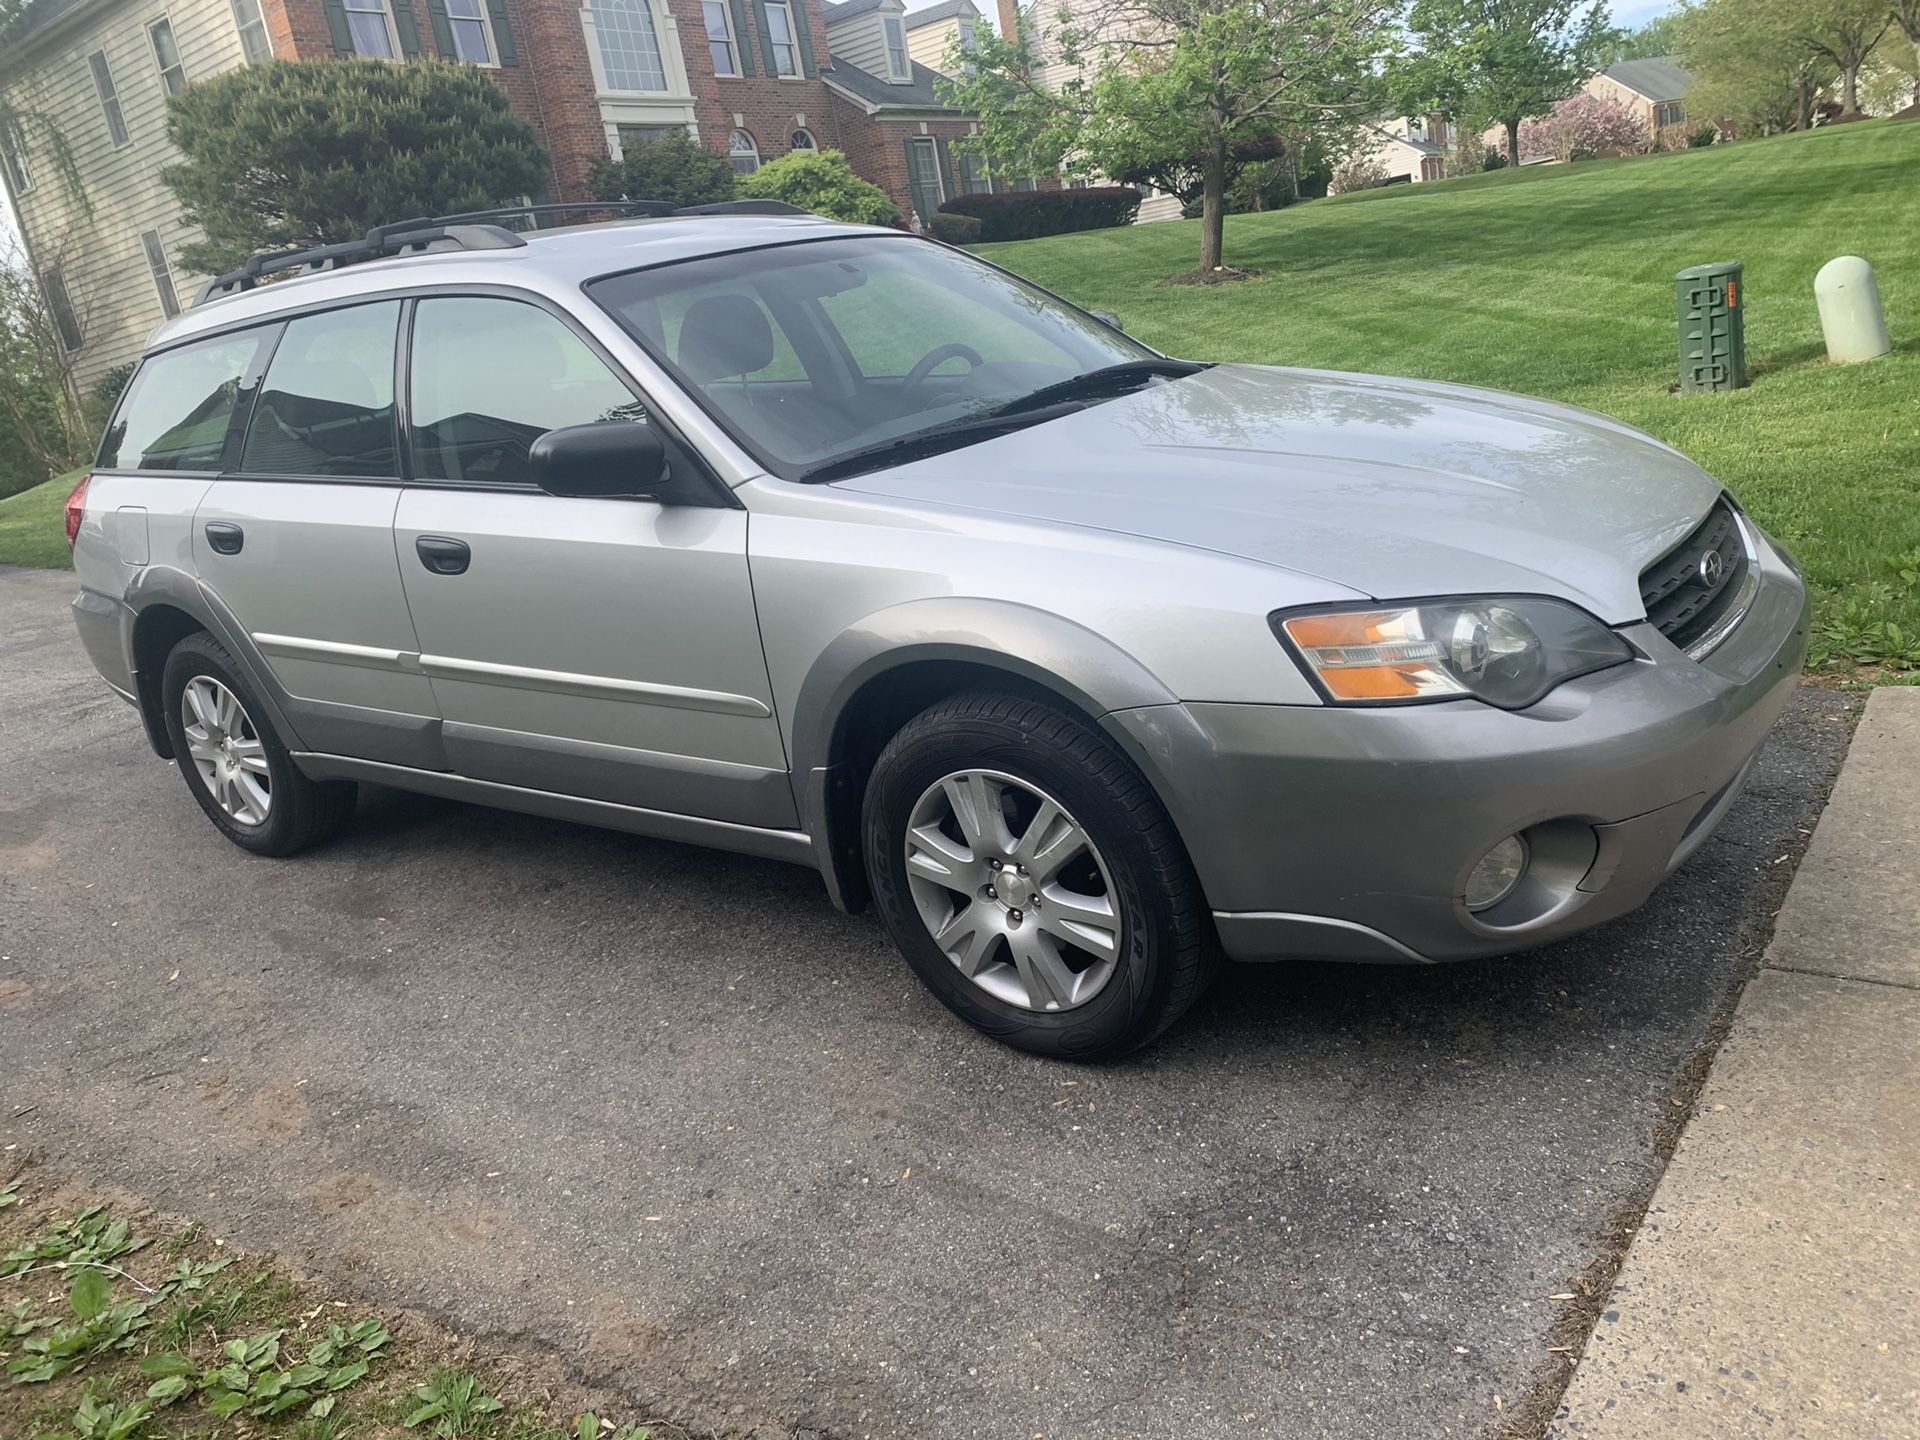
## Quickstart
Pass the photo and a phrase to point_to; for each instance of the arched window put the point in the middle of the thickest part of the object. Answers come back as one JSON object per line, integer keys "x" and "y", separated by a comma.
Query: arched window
{"x": 803, "y": 140}
{"x": 743, "y": 152}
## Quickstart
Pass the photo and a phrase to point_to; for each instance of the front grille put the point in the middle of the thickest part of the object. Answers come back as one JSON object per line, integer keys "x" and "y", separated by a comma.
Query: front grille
{"x": 1680, "y": 601}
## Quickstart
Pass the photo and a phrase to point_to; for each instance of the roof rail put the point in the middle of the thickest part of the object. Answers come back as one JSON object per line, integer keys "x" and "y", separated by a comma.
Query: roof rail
{"x": 473, "y": 230}
{"x": 316, "y": 258}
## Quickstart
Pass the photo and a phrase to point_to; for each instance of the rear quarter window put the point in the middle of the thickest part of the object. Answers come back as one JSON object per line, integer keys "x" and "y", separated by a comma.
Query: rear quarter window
{"x": 178, "y": 407}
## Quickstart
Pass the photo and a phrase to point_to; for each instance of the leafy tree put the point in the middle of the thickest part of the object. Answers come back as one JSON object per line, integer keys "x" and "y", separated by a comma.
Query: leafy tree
{"x": 318, "y": 152}
{"x": 1844, "y": 33}
{"x": 1906, "y": 14}
{"x": 24, "y": 126}
{"x": 1751, "y": 63}
{"x": 1495, "y": 62}
{"x": 821, "y": 181}
{"x": 1654, "y": 40}
{"x": 673, "y": 168}
{"x": 1170, "y": 87}
{"x": 43, "y": 429}
{"x": 1585, "y": 125}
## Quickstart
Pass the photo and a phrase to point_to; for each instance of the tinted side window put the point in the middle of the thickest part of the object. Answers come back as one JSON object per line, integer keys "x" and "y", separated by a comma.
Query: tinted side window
{"x": 326, "y": 407}
{"x": 177, "y": 407}
{"x": 492, "y": 376}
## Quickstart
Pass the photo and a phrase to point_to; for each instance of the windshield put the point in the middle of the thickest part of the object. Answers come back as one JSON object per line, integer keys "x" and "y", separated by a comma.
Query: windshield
{"x": 818, "y": 352}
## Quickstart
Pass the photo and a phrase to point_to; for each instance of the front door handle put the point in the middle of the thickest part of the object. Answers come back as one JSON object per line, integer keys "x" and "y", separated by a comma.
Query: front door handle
{"x": 443, "y": 556}
{"x": 225, "y": 539}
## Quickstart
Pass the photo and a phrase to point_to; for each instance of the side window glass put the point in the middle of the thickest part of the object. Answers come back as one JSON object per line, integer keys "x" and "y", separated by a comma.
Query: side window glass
{"x": 177, "y": 408}
{"x": 326, "y": 407}
{"x": 492, "y": 376}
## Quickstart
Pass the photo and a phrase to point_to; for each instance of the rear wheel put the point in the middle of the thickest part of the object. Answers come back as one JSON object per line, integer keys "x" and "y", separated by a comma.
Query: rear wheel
{"x": 1031, "y": 878}
{"x": 234, "y": 763}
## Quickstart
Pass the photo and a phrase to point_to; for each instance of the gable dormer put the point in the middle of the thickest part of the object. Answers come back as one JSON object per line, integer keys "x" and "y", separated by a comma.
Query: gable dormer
{"x": 872, "y": 34}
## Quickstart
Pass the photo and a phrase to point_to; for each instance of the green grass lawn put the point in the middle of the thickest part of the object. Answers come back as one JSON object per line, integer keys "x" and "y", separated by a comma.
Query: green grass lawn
{"x": 33, "y": 529}
{"x": 1558, "y": 281}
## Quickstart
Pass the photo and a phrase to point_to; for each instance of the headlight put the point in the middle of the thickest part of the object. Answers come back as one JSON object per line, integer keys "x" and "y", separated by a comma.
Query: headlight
{"x": 1508, "y": 651}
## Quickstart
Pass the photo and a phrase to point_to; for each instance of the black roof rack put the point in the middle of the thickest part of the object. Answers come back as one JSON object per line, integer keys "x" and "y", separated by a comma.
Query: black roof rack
{"x": 473, "y": 230}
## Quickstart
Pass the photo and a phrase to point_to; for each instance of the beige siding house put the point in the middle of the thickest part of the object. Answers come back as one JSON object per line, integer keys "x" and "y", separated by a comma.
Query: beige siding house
{"x": 1411, "y": 148}
{"x": 108, "y": 262}
{"x": 935, "y": 32}
{"x": 1652, "y": 89}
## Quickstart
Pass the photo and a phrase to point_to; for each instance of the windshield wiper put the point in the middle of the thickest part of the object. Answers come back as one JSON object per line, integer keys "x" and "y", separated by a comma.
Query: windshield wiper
{"x": 923, "y": 443}
{"x": 1099, "y": 382}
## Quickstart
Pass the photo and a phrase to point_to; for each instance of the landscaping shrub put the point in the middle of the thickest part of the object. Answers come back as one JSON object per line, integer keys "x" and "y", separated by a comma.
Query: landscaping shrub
{"x": 821, "y": 182}
{"x": 1362, "y": 172}
{"x": 958, "y": 229}
{"x": 106, "y": 390}
{"x": 1702, "y": 137}
{"x": 1030, "y": 214}
{"x": 673, "y": 168}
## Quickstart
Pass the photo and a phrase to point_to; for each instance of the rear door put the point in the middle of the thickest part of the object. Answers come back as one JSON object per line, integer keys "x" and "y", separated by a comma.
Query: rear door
{"x": 598, "y": 647}
{"x": 296, "y": 540}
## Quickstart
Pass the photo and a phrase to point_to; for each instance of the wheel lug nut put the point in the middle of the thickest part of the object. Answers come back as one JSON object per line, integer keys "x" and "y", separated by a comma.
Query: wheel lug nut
{"x": 1015, "y": 916}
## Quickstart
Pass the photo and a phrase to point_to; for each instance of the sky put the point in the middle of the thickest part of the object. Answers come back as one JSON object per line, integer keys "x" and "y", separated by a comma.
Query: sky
{"x": 1627, "y": 14}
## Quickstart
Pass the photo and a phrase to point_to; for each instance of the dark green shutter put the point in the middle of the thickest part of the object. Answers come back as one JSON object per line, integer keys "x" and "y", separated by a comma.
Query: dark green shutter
{"x": 407, "y": 28}
{"x": 442, "y": 28}
{"x": 945, "y": 158}
{"x": 337, "y": 25}
{"x": 502, "y": 32}
{"x": 742, "y": 41}
{"x": 803, "y": 32}
{"x": 767, "y": 62}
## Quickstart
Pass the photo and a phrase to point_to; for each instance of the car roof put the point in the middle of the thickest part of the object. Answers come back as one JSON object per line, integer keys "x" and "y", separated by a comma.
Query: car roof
{"x": 553, "y": 262}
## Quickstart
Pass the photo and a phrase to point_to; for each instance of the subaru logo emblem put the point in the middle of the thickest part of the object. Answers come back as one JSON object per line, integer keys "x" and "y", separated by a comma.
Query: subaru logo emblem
{"x": 1712, "y": 570}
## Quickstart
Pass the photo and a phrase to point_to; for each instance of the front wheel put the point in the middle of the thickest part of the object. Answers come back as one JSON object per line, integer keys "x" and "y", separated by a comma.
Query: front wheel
{"x": 1032, "y": 879}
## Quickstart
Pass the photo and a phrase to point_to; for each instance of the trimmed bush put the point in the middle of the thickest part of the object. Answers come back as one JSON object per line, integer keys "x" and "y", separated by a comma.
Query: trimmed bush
{"x": 821, "y": 182}
{"x": 1029, "y": 214}
{"x": 672, "y": 168}
{"x": 958, "y": 229}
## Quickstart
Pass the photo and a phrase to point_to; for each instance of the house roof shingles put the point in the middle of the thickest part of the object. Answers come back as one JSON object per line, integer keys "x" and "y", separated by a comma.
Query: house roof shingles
{"x": 1656, "y": 80}
{"x": 917, "y": 94}
{"x": 848, "y": 9}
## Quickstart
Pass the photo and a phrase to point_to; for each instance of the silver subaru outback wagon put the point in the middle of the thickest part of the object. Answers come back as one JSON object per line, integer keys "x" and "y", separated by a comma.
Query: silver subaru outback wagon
{"x": 835, "y": 545}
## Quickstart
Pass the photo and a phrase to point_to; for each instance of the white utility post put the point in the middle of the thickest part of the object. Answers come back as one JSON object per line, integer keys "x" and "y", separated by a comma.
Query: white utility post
{"x": 1850, "y": 316}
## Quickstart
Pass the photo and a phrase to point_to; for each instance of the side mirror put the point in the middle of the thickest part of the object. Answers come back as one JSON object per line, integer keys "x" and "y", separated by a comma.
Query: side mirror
{"x": 605, "y": 459}
{"x": 1108, "y": 319}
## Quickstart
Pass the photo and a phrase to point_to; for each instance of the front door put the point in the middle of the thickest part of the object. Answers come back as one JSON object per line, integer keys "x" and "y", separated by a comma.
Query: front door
{"x": 296, "y": 540}
{"x": 597, "y": 647}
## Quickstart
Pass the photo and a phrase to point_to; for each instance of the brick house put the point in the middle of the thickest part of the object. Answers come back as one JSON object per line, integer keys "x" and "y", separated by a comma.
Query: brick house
{"x": 895, "y": 128}
{"x": 752, "y": 78}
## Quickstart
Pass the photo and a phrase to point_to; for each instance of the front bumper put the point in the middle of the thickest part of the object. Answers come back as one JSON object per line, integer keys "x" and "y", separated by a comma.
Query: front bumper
{"x": 1337, "y": 833}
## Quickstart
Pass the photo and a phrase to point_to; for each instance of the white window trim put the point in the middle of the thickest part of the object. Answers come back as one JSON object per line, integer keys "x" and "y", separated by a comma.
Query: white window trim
{"x": 486, "y": 29}
{"x": 939, "y": 180}
{"x": 393, "y": 31}
{"x": 758, "y": 159}
{"x": 673, "y": 67}
{"x": 891, "y": 25}
{"x": 732, "y": 40}
{"x": 111, "y": 95}
{"x": 180, "y": 61}
{"x": 793, "y": 42}
{"x": 163, "y": 268}
{"x": 813, "y": 141}
{"x": 19, "y": 165}
{"x": 240, "y": 28}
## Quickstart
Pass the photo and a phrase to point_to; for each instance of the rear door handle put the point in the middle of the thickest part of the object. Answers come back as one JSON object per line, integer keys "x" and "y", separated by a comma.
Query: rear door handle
{"x": 443, "y": 556}
{"x": 226, "y": 539}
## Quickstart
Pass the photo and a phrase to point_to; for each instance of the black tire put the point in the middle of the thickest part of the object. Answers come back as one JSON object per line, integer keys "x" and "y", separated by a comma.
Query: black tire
{"x": 1167, "y": 956}
{"x": 302, "y": 812}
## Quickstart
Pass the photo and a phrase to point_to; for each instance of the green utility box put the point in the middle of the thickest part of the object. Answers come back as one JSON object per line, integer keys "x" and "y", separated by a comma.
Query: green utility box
{"x": 1713, "y": 328}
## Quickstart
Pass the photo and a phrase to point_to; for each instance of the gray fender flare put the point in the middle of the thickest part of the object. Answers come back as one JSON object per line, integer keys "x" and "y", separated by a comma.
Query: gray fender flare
{"x": 168, "y": 585}
{"x": 1083, "y": 668}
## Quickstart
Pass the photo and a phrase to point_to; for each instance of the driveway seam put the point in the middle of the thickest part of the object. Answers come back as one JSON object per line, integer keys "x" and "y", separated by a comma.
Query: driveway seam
{"x": 1834, "y": 975}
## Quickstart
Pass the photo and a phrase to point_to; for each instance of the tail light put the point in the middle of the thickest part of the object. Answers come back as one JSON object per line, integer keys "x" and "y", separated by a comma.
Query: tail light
{"x": 77, "y": 509}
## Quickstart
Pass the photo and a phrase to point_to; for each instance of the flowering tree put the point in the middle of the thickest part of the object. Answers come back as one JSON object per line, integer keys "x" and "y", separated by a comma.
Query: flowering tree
{"x": 1584, "y": 124}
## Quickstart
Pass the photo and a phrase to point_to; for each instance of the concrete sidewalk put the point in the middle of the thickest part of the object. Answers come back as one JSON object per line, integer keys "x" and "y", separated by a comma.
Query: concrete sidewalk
{"x": 1774, "y": 1288}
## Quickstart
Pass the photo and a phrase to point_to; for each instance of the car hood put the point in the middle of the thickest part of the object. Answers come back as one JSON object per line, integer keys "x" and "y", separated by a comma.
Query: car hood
{"x": 1392, "y": 488}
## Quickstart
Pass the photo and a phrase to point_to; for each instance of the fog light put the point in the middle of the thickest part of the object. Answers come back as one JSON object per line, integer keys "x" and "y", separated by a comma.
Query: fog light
{"x": 1497, "y": 873}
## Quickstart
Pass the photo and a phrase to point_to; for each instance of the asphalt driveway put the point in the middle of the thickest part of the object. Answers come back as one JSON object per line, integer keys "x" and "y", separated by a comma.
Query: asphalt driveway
{"x": 667, "y": 1111}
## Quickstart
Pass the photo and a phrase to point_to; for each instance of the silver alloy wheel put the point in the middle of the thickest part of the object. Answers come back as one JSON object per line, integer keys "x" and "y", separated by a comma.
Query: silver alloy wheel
{"x": 1012, "y": 890}
{"x": 226, "y": 750}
